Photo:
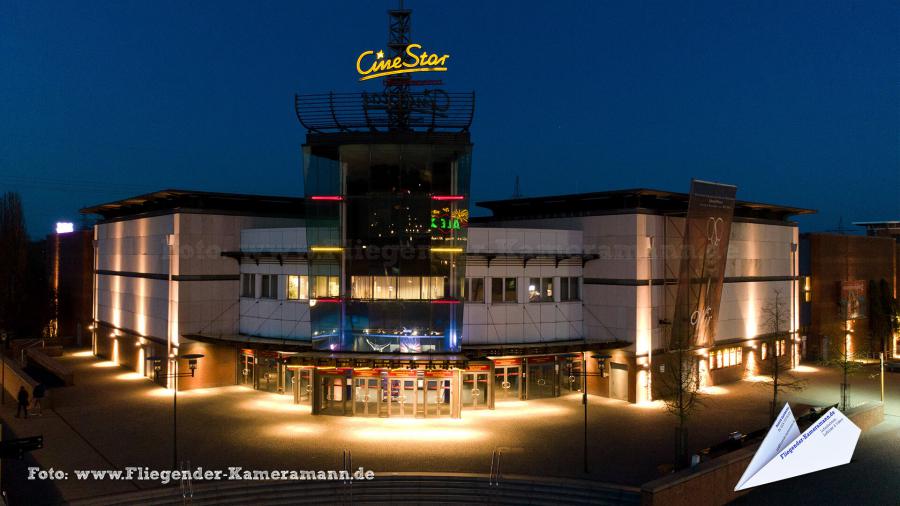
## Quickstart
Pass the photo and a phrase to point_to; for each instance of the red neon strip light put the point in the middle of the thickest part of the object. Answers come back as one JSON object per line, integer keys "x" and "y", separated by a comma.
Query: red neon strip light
{"x": 448, "y": 197}
{"x": 445, "y": 301}
{"x": 336, "y": 198}
{"x": 333, "y": 299}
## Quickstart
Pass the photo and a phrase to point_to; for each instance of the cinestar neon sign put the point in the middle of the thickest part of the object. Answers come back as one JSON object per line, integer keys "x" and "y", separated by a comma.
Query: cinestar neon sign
{"x": 380, "y": 66}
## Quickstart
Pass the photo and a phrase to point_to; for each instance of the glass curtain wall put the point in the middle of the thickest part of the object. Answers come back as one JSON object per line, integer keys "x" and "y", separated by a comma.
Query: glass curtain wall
{"x": 396, "y": 240}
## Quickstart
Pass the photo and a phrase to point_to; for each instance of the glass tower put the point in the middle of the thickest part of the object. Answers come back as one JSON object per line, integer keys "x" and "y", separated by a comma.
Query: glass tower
{"x": 386, "y": 227}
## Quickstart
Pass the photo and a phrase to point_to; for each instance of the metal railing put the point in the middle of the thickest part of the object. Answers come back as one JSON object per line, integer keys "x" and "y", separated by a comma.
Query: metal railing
{"x": 431, "y": 110}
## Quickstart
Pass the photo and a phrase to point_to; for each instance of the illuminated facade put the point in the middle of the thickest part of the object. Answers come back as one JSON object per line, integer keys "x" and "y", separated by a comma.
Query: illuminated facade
{"x": 377, "y": 294}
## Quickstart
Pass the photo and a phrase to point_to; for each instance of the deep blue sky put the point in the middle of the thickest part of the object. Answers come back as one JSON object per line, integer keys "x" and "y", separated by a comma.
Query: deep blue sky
{"x": 797, "y": 103}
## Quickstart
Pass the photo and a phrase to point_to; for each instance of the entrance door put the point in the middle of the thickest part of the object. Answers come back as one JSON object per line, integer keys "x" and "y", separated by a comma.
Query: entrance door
{"x": 267, "y": 375}
{"x": 542, "y": 381}
{"x": 365, "y": 396}
{"x": 507, "y": 384}
{"x": 402, "y": 398}
{"x": 570, "y": 379}
{"x": 301, "y": 385}
{"x": 618, "y": 381}
{"x": 475, "y": 389}
{"x": 437, "y": 397}
{"x": 247, "y": 372}
{"x": 334, "y": 398}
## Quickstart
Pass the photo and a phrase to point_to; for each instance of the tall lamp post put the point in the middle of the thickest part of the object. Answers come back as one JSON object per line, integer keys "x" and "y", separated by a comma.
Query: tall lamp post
{"x": 3, "y": 374}
{"x": 192, "y": 359}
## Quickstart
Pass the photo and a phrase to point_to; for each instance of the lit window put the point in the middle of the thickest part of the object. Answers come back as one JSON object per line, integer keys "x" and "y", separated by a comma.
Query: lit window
{"x": 409, "y": 288}
{"x": 725, "y": 357}
{"x": 325, "y": 286}
{"x": 297, "y": 287}
{"x": 540, "y": 290}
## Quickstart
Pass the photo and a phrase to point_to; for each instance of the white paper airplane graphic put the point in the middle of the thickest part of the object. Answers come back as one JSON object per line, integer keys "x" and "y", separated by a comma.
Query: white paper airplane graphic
{"x": 786, "y": 453}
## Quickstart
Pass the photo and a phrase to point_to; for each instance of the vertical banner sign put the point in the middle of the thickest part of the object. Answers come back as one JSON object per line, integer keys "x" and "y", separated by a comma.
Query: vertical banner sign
{"x": 703, "y": 257}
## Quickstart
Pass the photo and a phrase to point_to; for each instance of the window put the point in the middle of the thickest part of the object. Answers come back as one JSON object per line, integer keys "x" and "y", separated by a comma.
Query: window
{"x": 394, "y": 287}
{"x": 248, "y": 285}
{"x": 361, "y": 287}
{"x": 269, "y": 288}
{"x": 434, "y": 287}
{"x": 725, "y": 357}
{"x": 569, "y": 289}
{"x": 410, "y": 288}
{"x": 326, "y": 286}
{"x": 503, "y": 290}
{"x": 297, "y": 287}
{"x": 540, "y": 290}
{"x": 475, "y": 289}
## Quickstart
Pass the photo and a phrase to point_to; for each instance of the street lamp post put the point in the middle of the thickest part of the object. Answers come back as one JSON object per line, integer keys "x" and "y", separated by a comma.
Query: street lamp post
{"x": 174, "y": 375}
{"x": 3, "y": 374}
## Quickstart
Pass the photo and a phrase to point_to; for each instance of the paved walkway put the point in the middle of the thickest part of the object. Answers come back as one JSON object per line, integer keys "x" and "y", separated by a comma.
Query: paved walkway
{"x": 113, "y": 418}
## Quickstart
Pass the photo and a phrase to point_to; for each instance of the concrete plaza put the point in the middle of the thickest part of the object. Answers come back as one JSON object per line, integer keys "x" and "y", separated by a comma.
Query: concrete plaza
{"x": 113, "y": 418}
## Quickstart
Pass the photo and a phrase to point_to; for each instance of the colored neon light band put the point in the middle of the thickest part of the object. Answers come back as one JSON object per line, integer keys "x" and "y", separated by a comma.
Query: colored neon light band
{"x": 446, "y": 250}
{"x": 448, "y": 197}
{"x": 445, "y": 301}
{"x": 335, "y": 198}
{"x": 326, "y": 249}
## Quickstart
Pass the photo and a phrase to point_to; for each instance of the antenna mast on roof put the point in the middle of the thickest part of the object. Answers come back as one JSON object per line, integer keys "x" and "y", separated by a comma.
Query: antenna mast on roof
{"x": 397, "y": 87}
{"x": 517, "y": 191}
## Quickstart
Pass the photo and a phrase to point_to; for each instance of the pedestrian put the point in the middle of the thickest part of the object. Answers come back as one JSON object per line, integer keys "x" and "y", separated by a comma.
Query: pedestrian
{"x": 38, "y": 395}
{"x": 23, "y": 402}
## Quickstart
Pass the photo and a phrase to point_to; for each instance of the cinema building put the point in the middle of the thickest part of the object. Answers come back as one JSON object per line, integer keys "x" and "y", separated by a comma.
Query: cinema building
{"x": 376, "y": 294}
{"x": 398, "y": 304}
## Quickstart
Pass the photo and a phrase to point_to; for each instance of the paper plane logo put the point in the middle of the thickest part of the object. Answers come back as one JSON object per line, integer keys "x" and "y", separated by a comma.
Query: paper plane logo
{"x": 785, "y": 452}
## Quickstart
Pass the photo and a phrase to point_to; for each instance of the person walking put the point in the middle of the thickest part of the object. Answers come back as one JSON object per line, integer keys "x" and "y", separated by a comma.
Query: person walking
{"x": 38, "y": 395}
{"x": 23, "y": 402}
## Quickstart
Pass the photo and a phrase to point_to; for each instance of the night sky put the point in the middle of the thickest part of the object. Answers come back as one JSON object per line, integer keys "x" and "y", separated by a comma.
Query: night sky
{"x": 797, "y": 103}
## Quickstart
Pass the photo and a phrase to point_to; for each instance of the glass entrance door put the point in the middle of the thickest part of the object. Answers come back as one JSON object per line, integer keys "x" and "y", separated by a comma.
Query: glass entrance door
{"x": 334, "y": 395}
{"x": 437, "y": 397}
{"x": 365, "y": 396}
{"x": 475, "y": 389}
{"x": 571, "y": 376}
{"x": 542, "y": 381}
{"x": 507, "y": 383}
{"x": 301, "y": 385}
{"x": 402, "y": 398}
{"x": 246, "y": 374}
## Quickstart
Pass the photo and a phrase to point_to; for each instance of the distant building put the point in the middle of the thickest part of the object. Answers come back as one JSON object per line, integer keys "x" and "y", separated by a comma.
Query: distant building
{"x": 72, "y": 275}
{"x": 847, "y": 280}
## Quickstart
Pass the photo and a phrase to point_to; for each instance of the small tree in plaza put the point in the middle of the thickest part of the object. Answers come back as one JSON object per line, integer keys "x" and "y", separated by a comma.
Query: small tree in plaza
{"x": 681, "y": 393}
{"x": 778, "y": 375}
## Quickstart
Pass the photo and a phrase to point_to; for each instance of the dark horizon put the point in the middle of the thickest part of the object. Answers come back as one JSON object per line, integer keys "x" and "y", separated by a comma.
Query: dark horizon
{"x": 792, "y": 103}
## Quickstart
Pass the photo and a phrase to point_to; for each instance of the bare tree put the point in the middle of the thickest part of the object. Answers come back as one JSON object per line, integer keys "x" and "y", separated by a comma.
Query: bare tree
{"x": 777, "y": 373}
{"x": 13, "y": 260}
{"x": 680, "y": 392}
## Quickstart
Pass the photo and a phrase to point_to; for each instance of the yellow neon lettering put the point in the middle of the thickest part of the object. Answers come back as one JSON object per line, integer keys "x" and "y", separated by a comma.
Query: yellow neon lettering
{"x": 380, "y": 67}
{"x": 359, "y": 60}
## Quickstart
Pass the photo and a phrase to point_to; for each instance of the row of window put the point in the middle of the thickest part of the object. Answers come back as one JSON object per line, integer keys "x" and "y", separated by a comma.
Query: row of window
{"x": 298, "y": 287}
{"x": 728, "y": 357}
{"x": 504, "y": 290}
{"x": 725, "y": 357}
{"x": 780, "y": 349}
